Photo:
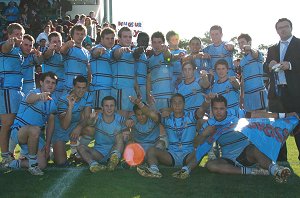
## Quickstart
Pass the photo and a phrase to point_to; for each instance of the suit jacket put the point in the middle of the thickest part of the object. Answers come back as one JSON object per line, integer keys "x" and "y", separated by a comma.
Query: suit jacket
{"x": 291, "y": 100}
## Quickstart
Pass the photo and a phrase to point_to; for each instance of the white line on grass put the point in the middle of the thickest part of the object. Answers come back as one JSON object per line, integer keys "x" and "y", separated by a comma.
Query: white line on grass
{"x": 63, "y": 183}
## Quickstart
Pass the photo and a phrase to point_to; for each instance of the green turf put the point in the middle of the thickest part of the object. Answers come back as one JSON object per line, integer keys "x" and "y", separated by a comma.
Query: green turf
{"x": 127, "y": 183}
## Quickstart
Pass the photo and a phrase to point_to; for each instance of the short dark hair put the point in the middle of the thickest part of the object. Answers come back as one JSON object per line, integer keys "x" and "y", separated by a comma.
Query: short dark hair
{"x": 136, "y": 107}
{"x": 80, "y": 79}
{"x": 215, "y": 27}
{"x": 170, "y": 34}
{"x": 15, "y": 26}
{"x": 77, "y": 27}
{"x": 158, "y": 34}
{"x": 177, "y": 95}
{"x": 218, "y": 98}
{"x": 284, "y": 19}
{"x": 54, "y": 34}
{"x": 245, "y": 36}
{"x": 108, "y": 98}
{"x": 106, "y": 31}
{"x": 184, "y": 63}
{"x": 143, "y": 39}
{"x": 123, "y": 29}
{"x": 29, "y": 38}
{"x": 49, "y": 74}
{"x": 195, "y": 38}
{"x": 221, "y": 62}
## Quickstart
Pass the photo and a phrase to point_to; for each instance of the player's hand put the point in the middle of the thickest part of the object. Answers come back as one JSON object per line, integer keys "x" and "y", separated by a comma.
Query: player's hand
{"x": 44, "y": 96}
{"x": 229, "y": 47}
{"x": 203, "y": 74}
{"x": 209, "y": 96}
{"x": 129, "y": 123}
{"x": 11, "y": 42}
{"x": 37, "y": 52}
{"x": 100, "y": 51}
{"x": 246, "y": 48}
{"x": 232, "y": 79}
{"x": 285, "y": 65}
{"x": 70, "y": 43}
{"x": 125, "y": 49}
{"x": 206, "y": 56}
{"x": 271, "y": 64}
{"x": 75, "y": 134}
{"x": 135, "y": 100}
{"x": 71, "y": 100}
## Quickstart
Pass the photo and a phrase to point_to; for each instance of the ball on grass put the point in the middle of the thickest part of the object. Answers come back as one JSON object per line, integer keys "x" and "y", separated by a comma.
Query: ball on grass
{"x": 134, "y": 154}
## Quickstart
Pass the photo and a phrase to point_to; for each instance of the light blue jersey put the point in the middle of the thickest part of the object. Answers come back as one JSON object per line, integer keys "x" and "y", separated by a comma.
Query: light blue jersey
{"x": 10, "y": 69}
{"x": 192, "y": 93}
{"x": 201, "y": 64}
{"x": 161, "y": 77}
{"x": 123, "y": 70}
{"x": 181, "y": 131}
{"x": 10, "y": 80}
{"x": 36, "y": 114}
{"x": 219, "y": 52}
{"x": 141, "y": 69}
{"x": 177, "y": 67}
{"x": 146, "y": 134}
{"x": 101, "y": 70}
{"x": 75, "y": 63}
{"x": 105, "y": 133}
{"x": 55, "y": 64}
{"x": 232, "y": 142}
{"x": 255, "y": 93}
{"x": 64, "y": 135}
{"x": 28, "y": 71}
{"x": 227, "y": 90}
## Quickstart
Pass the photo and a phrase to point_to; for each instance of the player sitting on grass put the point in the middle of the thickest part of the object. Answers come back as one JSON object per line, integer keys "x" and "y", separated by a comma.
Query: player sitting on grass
{"x": 108, "y": 137}
{"x": 180, "y": 127}
{"x": 73, "y": 109}
{"x": 238, "y": 153}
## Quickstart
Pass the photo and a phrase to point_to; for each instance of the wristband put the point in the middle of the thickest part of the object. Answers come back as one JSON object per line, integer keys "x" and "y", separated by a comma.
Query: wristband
{"x": 281, "y": 115}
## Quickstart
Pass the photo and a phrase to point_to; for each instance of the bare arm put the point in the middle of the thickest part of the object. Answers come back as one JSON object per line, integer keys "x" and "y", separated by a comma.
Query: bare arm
{"x": 66, "y": 117}
{"x": 34, "y": 97}
{"x": 118, "y": 52}
{"x": 200, "y": 139}
{"x": 66, "y": 46}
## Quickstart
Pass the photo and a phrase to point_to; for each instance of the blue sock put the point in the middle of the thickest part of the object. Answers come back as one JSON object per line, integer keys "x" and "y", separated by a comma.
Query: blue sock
{"x": 246, "y": 170}
{"x": 154, "y": 167}
{"x": 5, "y": 154}
{"x": 273, "y": 168}
{"x": 32, "y": 160}
{"x": 117, "y": 152}
{"x": 15, "y": 164}
{"x": 186, "y": 168}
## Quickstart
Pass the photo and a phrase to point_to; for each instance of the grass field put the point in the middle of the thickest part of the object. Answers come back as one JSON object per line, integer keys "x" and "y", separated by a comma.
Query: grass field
{"x": 79, "y": 182}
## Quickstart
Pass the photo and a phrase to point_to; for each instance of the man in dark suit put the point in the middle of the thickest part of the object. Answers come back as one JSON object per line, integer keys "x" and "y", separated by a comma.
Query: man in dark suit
{"x": 284, "y": 90}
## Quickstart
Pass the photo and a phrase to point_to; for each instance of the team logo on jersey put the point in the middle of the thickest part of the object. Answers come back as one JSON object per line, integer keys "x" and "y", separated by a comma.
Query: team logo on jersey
{"x": 194, "y": 91}
{"x": 227, "y": 89}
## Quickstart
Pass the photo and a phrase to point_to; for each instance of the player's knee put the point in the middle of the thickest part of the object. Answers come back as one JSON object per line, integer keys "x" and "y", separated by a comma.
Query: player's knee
{"x": 81, "y": 148}
{"x": 34, "y": 132}
{"x": 212, "y": 166}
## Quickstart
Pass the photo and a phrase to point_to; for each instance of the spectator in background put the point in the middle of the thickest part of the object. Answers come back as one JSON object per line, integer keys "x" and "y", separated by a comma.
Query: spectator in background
{"x": 89, "y": 26}
{"x": 75, "y": 20}
{"x": 11, "y": 13}
{"x": 67, "y": 22}
{"x": 24, "y": 21}
{"x": 60, "y": 29}
{"x": 44, "y": 34}
{"x": 81, "y": 19}
{"x": 51, "y": 25}
{"x": 35, "y": 23}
